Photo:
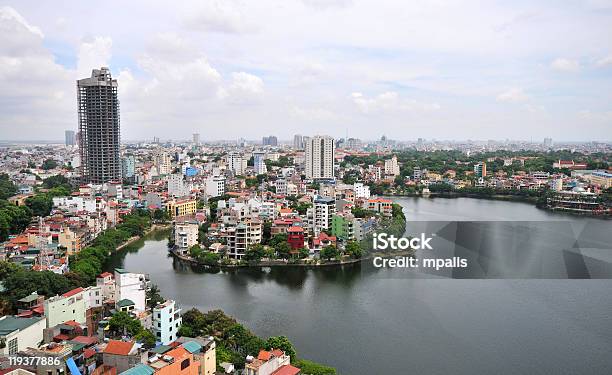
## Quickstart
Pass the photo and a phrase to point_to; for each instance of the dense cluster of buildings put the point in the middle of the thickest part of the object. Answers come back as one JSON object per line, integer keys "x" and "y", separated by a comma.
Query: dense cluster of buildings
{"x": 73, "y": 328}
{"x": 225, "y": 197}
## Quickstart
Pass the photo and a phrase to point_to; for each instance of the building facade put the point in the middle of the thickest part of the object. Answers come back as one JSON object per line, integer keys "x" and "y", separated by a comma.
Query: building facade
{"x": 319, "y": 158}
{"x": 99, "y": 132}
{"x": 166, "y": 322}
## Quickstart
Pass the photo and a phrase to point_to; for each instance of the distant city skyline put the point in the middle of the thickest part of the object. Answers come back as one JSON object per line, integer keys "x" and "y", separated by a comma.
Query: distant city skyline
{"x": 235, "y": 69}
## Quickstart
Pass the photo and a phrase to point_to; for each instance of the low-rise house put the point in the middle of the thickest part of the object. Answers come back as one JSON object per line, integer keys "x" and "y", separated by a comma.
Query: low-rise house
{"x": 122, "y": 355}
{"x": 178, "y": 361}
{"x": 71, "y": 305}
{"x": 204, "y": 351}
{"x": 17, "y": 333}
{"x": 269, "y": 363}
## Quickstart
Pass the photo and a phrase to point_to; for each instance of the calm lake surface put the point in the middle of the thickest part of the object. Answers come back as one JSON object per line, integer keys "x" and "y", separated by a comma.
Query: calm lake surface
{"x": 363, "y": 320}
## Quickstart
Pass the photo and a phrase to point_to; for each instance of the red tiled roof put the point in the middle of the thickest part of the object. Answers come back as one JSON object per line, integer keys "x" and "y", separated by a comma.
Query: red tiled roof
{"x": 287, "y": 370}
{"x": 264, "y": 355}
{"x": 88, "y": 353}
{"x": 73, "y": 292}
{"x": 295, "y": 229}
{"x": 87, "y": 340}
{"x": 118, "y": 347}
{"x": 277, "y": 353}
{"x": 105, "y": 274}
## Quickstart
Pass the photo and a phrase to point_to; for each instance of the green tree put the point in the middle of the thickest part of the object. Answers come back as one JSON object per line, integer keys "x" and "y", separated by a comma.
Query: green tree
{"x": 161, "y": 215}
{"x": 122, "y": 323}
{"x": 195, "y": 251}
{"x": 154, "y": 297}
{"x": 353, "y": 250}
{"x": 146, "y": 337}
{"x": 329, "y": 252}
{"x": 254, "y": 253}
{"x": 49, "y": 164}
{"x": 7, "y": 187}
{"x": 283, "y": 250}
{"x": 57, "y": 181}
{"x": 7, "y": 269}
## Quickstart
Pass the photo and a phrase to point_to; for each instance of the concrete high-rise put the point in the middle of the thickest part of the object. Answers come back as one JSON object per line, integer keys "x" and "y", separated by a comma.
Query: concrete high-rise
{"x": 319, "y": 157}
{"x": 98, "y": 109}
{"x": 236, "y": 163}
{"x": 70, "y": 138}
{"x": 259, "y": 162}
{"x": 196, "y": 139}
{"x": 269, "y": 141}
{"x": 298, "y": 141}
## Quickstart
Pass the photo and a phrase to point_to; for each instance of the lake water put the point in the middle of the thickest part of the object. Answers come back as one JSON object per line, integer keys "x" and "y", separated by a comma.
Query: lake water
{"x": 363, "y": 320}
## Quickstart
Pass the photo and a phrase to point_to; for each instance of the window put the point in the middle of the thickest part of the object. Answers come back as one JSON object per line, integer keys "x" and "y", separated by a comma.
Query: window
{"x": 12, "y": 346}
{"x": 184, "y": 364}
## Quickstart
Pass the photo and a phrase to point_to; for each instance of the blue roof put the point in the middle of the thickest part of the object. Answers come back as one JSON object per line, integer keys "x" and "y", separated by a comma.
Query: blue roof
{"x": 140, "y": 369}
{"x": 192, "y": 347}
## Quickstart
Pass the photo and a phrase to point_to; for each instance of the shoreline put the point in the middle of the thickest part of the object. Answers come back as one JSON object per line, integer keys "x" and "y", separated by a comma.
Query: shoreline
{"x": 276, "y": 263}
{"x": 505, "y": 198}
{"x": 153, "y": 228}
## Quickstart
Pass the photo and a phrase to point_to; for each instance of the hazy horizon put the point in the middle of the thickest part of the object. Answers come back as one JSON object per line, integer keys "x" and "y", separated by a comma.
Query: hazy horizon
{"x": 237, "y": 69}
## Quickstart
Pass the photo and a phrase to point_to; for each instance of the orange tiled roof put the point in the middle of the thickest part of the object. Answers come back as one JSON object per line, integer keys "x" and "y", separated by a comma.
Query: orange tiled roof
{"x": 118, "y": 347}
{"x": 264, "y": 355}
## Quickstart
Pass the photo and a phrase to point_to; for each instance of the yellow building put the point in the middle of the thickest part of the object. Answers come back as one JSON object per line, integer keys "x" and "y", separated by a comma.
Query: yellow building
{"x": 69, "y": 240}
{"x": 181, "y": 207}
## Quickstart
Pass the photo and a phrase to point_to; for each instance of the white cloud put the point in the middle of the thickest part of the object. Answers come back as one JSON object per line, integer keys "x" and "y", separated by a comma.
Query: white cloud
{"x": 217, "y": 16}
{"x": 590, "y": 115}
{"x": 460, "y": 55}
{"x": 244, "y": 88}
{"x": 38, "y": 91}
{"x": 605, "y": 61}
{"x": 513, "y": 95}
{"x": 326, "y": 4}
{"x": 9, "y": 16}
{"x": 565, "y": 65}
{"x": 93, "y": 53}
{"x": 390, "y": 101}
{"x": 313, "y": 113}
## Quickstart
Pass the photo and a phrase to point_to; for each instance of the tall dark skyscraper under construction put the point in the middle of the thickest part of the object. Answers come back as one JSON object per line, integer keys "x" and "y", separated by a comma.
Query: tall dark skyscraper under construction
{"x": 100, "y": 138}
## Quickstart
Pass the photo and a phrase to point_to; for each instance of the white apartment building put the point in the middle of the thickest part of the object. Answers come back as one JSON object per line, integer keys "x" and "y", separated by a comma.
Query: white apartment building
{"x": 106, "y": 282}
{"x": 164, "y": 163}
{"x": 132, "y": 286}
{"x": 79, "y": 204}
{"x": 392, "y": 167}
{"x": 176, "y": 186}
{"x": 236, "y": 163}
{"x": 281, "y": 186}
{"x": 166, "y": 322}
{"x": 361, "y": 190}
{"x": 319, "y": 157}
{"x": 185, "y": 235}
{"x": 215, "y": 186}
{"x": 323, "y": 210}
{"x": 243, "y": 235}
{"x": 71, "y": 305}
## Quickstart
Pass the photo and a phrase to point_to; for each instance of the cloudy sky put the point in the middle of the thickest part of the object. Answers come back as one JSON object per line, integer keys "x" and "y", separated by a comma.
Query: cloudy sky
{"x": 237, "y": 68}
